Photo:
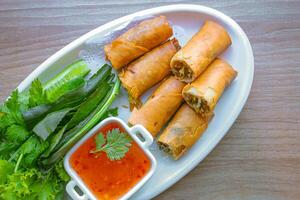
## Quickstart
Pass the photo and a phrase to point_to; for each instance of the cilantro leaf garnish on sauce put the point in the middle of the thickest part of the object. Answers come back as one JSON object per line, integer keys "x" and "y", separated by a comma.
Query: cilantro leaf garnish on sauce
{"x": 115, "y": 145}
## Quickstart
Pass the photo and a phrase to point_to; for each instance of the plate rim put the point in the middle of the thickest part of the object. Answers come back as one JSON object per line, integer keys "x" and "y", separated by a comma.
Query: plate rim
{"x": 154, "y": 11}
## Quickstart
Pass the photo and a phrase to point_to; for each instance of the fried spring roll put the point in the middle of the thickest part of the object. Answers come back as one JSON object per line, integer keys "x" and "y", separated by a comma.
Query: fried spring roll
{"x": 146, "y": 71}
{"x": 137, "y": 41}
{"x": 160, "y": 106}
{"x": 183, "y": 131}
{"x": 200, "y": 51}
{"x": 204, "y": 93}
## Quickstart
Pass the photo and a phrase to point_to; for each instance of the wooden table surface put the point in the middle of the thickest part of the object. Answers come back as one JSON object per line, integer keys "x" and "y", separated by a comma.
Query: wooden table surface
{"x": 260, "y": 156}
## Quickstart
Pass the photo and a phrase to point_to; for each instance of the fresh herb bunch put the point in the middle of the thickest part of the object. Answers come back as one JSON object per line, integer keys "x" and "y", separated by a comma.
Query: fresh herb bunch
{"x": 38, "y": 127}
{"x": 115, "y": 145}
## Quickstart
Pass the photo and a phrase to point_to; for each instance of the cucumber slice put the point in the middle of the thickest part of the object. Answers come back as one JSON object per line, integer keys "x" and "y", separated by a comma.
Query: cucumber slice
{"x": 62, "y": 82}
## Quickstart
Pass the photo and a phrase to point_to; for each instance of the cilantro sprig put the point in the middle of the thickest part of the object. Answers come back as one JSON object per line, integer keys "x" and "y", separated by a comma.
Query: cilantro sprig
{"x": 37, "y": 94}
{"x": 115, "y": 145}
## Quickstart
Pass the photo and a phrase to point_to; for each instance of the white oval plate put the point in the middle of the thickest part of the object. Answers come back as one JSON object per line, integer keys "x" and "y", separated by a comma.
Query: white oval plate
{"x": 190, "y": 18}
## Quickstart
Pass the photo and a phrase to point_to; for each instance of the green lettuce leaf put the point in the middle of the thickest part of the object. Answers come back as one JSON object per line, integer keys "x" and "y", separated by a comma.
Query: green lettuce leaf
{"x": 18, "y": 184}
{"x": 6, "y": 168}
{"x": 61, "y": 172}
{"x": 30, "y": 184}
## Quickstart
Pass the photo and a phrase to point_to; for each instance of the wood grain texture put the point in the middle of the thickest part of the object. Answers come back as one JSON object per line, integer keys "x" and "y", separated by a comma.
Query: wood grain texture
{"x": 260, "y": 156}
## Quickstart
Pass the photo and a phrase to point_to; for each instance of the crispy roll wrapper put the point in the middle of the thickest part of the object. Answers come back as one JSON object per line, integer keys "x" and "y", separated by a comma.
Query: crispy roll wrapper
{"x": 183, "y": 131}
{"x": 146, "y": 71}
{"x": 204, "y": 93}
{"x": 137, "y": 41}
{"x": 200, "y": 51}
{"x": 160, "y": 106}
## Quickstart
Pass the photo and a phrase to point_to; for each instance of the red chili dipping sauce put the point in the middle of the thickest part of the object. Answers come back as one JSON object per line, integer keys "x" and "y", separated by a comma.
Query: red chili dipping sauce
{"x": 108, "y": 179}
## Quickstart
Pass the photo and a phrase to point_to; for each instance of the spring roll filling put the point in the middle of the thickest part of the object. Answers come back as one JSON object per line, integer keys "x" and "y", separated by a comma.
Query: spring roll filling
{"x": 198, "y": 103}
{"x": 182, "y": 70}
{"x": 165, "y": 147}
{"x": 175, "y": 152}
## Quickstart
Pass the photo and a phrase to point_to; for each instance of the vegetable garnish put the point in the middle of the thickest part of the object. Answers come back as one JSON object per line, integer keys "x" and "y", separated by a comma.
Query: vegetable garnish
{"x": 37, "y": 94}
{"x": 115, "y": 145}
{"x": 38, "y": 126}
{"x": 30, "y": 183}
{"x": 66, "y": 80}
{"x": 73, "y": 135}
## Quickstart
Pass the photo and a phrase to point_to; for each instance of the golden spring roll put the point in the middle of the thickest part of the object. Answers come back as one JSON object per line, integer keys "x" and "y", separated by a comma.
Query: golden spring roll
{"x": 137, "y": 41}
{"x": 184, "y": 129}
{"x": 146, "y": 71}
{"x": 204, "y": 93}
{"x": 160, "y": 106}
{"x": 200, "y": 51}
